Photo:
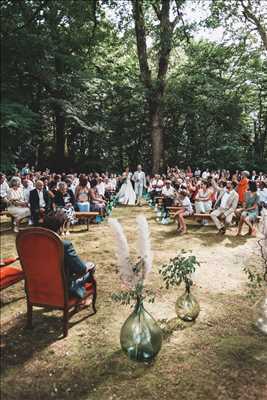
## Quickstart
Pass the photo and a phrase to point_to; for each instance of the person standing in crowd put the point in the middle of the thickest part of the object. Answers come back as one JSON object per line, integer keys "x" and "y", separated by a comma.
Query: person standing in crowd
{"x": 243, "y": 186}
{"x": 25, "y": 170}
{"x": 139, "y": 179}
{"x": 4, "y": 188}
{"x": 262, "y": 193}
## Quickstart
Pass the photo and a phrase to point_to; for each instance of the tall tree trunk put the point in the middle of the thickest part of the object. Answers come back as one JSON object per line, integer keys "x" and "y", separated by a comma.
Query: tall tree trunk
{"x": 156, "y": 132}
{"x": 60, "y": 139}
{"x": 60, "y": 117}
{"x": 155, "y": 87}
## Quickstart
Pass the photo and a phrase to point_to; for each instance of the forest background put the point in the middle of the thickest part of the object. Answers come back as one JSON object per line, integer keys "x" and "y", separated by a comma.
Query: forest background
{"x": 102, "y": 84}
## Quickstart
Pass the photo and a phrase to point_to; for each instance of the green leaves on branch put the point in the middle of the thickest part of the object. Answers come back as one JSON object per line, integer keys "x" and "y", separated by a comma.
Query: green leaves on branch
{"x": 131, "y": 296}
{"x": 178, "y": 270}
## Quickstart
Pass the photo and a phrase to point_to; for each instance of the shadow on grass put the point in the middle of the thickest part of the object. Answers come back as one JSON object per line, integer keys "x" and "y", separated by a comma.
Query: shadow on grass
{"x": 19, "y": 343}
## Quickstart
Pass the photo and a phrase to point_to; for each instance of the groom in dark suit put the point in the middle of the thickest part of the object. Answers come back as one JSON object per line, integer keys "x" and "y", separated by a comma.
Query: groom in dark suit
{"x": 40, "y": 203}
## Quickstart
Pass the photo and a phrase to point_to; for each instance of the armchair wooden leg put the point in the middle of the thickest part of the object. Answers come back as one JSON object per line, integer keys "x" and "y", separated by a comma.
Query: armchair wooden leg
{"x": 29, "y": 316}
{"x": 94, "y": 298}
{"x": 65, "y": 322}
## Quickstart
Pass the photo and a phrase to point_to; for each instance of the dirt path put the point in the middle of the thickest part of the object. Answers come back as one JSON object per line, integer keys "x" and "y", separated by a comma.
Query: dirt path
{"x": 221, "y": 357}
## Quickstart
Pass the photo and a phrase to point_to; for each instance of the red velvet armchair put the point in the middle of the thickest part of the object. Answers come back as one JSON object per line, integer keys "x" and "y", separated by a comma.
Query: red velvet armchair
{"x": 41, "y": 254}
{"x": 9, "y": 275}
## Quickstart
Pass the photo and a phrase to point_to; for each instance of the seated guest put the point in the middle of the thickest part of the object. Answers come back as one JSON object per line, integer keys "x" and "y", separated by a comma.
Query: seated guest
{"x": 109, "y": 188}
{"x": 243, "y": 186}
{"x": 17, "y": 207}
{"x": 78, "y": 272}
{"x": 97, "y": 203}
{"x": 225, "y": 205}
{"x": 27, "y": 188}
{"x": 40, "y": 203}
{"x": 250, "y": 210}
{"x": 254, "y": 176}
{"x": 64, "y": 201}
{"x": 4, "y": 188}
{"x": 203, "y": 201}
{"x": 262, "y": 193}
{"x": 100, "y": 187}
{"x": 185, "y": 209}
{"x": 155, "y": 186}
{"x": 82, "y": 194}
{"x": 113, "y": 179}
{"x": 168, "y": 193}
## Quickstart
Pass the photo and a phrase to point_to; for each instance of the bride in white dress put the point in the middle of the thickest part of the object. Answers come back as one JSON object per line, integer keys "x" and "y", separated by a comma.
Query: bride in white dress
{"x": 126, "y": 194}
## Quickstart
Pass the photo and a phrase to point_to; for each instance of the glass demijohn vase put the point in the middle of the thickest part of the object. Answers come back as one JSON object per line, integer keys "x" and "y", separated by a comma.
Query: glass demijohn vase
{"x": 140, "y": 337}
{"x": 187, "y": 307}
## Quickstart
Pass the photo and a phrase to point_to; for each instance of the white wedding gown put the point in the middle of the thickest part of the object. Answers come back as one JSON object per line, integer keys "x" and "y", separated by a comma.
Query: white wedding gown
{"x": 126, "y": 194}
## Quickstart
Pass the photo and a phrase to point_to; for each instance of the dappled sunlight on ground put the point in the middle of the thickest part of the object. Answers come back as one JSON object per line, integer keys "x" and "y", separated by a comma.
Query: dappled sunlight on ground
{"x": 220, "y": 356}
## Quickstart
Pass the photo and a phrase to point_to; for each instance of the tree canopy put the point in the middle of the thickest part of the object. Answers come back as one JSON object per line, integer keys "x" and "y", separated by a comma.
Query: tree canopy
{"x": 103, "y": 84}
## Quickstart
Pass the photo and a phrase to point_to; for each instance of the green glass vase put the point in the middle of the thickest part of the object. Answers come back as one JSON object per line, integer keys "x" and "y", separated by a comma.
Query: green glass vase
{"x": 140, "y": 337}
{"x": 187, "y": 307}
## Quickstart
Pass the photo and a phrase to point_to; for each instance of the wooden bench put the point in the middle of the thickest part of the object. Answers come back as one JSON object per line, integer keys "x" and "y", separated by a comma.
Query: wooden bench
{"x": 173, "y": 210}
{"x": 89, "y": 215}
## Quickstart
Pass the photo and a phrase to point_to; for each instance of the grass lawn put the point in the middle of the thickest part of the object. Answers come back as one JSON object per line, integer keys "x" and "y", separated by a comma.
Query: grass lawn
{"x": 220, "y": 357}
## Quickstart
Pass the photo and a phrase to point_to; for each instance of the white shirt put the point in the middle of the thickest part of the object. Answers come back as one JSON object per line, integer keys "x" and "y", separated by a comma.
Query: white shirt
{"x": 224, "y": 199}
{"x": 100, "y": 188}
{"x": 186, "y": 203}
{"x": 41, "y": 198}
{"x": 26, "y": 193}
{"x": 205, "y": 174}
{"x": 262, "y": 195}
{"x": 114, "y": 183}
{"x": 4, "y": 188}
{"x": 168, "y": 192}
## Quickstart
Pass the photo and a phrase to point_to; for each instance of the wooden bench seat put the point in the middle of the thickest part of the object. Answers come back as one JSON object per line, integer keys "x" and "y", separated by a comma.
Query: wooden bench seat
{"x": 173, "y": 210}
{"x": 89, "y": 215}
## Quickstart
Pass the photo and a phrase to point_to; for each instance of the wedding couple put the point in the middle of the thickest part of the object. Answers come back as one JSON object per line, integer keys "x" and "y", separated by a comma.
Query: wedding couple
{"x": 128, "y": 195}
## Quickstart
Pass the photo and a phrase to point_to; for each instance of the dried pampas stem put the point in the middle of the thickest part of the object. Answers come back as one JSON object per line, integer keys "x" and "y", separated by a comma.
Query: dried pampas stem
{"x": 144, "y": 246}
{"x": 122, "y": 250}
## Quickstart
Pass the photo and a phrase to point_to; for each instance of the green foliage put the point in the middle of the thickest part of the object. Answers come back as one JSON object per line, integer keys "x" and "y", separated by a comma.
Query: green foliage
{"x": 178, "y": 270}
{"x": 255, "y": 281}
{"x": 71, "y": 85}
{"x": 131, "y": 296}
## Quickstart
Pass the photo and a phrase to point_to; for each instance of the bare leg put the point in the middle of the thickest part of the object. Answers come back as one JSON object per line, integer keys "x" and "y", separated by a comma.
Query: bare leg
{"x": 182, "y": 221}
{"x": 241, "y": 223}
{"x": 249, "y": 224}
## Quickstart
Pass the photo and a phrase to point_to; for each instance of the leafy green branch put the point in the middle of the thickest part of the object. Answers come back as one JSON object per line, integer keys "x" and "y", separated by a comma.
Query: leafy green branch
{"x": 131, "y": 296}
{"x": 178, "y": 270}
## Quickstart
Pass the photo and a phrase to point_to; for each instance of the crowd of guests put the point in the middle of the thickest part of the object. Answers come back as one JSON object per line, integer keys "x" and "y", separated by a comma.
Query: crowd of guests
{"x": 38, "y": 194}
{"x": 220, "y": 193}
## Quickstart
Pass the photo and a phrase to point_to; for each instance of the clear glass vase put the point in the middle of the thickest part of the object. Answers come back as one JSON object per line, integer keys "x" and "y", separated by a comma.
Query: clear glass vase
{"x": 260, "y": 314}
{"x": 187, "y": 307}
{"x": 140, "y": 337}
